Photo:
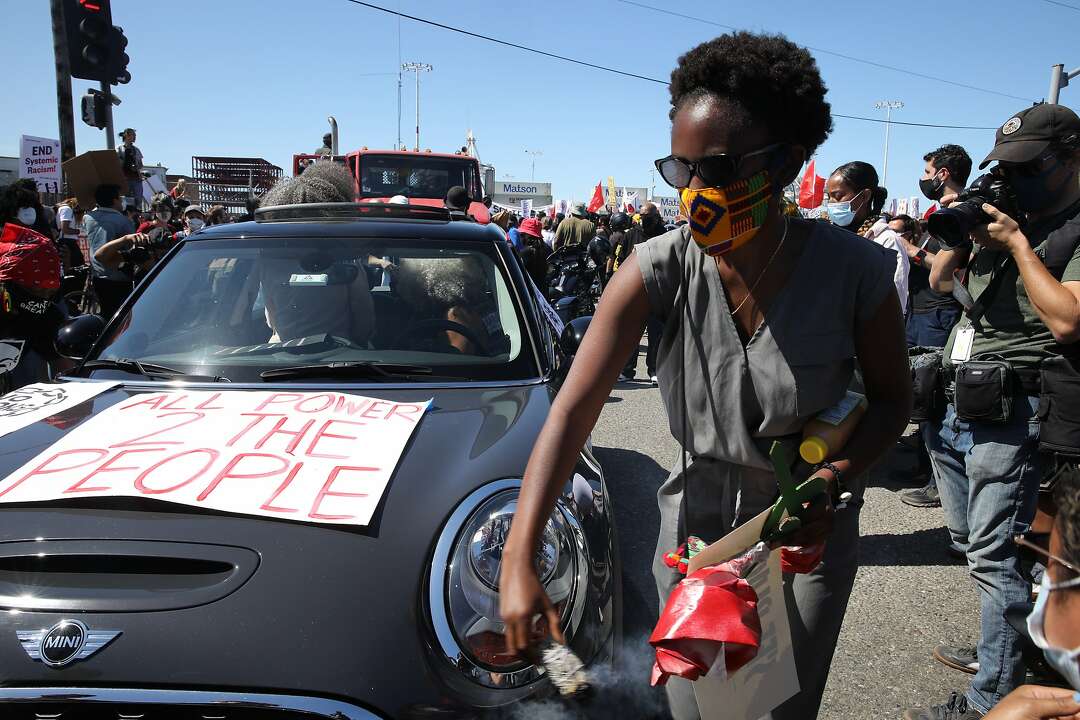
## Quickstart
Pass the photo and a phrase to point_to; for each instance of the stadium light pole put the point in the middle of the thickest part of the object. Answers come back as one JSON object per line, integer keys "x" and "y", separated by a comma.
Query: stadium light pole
{"x": 415, "y": 67}
{"x": 888, "y": 106}
{"x": 534, "y": 153}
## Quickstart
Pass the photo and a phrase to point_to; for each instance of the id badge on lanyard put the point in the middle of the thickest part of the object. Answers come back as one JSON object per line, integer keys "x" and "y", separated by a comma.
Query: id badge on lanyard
{"x": 961, "y": 349}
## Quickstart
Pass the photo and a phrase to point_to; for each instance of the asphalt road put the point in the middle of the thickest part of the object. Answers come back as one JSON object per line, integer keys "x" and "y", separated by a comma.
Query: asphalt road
{"x": 909, "y": 594}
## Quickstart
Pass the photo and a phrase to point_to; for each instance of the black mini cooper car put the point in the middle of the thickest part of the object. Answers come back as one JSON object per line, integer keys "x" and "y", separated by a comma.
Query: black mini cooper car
{"x": 127, "y": 606}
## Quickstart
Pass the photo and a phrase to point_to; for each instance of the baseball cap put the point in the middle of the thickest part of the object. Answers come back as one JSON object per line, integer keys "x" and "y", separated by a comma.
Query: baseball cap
{"x": 1027, "y": 134}
{"x": 579, "y": 210}
{"x": 194, "y": 208}
{"x": 531, "y": 226}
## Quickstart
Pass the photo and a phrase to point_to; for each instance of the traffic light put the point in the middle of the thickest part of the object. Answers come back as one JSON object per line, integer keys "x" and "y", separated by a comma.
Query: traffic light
{"x": 94, "y": 110}
{"x": 88, "y": 25}
{"x": 118, "y": 59}
{"x": 96, "y": 47}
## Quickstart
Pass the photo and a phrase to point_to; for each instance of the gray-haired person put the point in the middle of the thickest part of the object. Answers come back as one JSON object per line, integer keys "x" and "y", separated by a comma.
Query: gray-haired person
{"x": 294, "y": 311}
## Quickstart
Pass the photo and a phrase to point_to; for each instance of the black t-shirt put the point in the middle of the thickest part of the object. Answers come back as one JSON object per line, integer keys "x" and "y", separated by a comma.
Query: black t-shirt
{"x": 924, "y": 297}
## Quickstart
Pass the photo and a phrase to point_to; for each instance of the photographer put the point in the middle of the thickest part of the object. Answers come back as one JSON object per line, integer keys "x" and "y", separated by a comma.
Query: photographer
{"x": 109, "y": 235}
{"x": 1022, "y": 310}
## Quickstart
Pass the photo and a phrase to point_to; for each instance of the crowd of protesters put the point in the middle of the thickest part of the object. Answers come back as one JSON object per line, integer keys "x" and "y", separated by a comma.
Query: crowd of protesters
{"x": 990, "y": 314}
{"x": 60, "y": 260}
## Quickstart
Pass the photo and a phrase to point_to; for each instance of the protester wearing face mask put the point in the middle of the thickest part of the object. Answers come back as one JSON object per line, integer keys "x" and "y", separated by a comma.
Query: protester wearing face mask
{"x": 194, "y": 219}
{"x": 1054, "y": 624}
{"x": 38, "y": 218}
{"x": 29, "y": 281}
{"x": 1023, "y": 289}
{"x": 161, "y": 214}
{"x": 763, "y": 316}
{"x": 855, "y": 203}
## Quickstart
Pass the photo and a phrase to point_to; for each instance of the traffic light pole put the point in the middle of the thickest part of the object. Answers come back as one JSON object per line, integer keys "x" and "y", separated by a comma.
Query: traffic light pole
{"x": 64, "y": 113}
{"x": 1059, "y": 79}
{"x": 110, "y": 135}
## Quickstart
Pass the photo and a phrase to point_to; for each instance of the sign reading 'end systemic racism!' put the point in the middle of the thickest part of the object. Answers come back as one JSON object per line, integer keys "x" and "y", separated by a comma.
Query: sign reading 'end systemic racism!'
{"x": 39, "y": 160}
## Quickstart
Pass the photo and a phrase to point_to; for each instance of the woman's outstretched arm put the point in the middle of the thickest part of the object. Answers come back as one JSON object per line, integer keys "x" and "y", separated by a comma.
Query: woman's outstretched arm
{"x": 615, "y": 330}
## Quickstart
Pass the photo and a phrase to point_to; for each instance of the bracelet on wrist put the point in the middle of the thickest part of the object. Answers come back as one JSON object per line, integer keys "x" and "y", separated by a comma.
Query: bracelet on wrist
{"x": 840, "y": 492}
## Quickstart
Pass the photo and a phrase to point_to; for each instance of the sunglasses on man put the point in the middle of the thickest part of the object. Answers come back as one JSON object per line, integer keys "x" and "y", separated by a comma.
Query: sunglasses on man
{"x": 713, "y": 170}
{"x": 1031, "y": 168}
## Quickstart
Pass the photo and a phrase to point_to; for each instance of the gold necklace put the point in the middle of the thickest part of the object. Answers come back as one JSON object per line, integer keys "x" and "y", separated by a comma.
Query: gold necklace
{"x": 765, "y": 269}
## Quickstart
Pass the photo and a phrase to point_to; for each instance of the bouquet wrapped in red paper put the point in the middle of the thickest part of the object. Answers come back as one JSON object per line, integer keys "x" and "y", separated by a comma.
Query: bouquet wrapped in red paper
{"x": 711, "y": 617}
{"x": 28, "y": 258}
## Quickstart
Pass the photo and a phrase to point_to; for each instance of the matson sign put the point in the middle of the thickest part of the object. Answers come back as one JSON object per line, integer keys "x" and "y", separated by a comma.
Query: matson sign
{"x": 505, "y": 187}
{"x": 510, "y": 193}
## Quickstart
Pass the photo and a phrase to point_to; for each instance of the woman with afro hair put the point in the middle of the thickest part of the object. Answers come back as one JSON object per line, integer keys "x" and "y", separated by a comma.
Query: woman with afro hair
{"x": 764, "y": 318}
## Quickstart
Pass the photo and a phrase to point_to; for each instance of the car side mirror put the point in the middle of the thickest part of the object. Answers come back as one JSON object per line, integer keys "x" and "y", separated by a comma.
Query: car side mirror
{"x": 75, "y": 338}
{"x": 573, "y": 334}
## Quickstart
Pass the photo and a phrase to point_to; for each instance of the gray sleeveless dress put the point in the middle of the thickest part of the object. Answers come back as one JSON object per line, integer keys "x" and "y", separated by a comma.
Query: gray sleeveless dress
{"x": 738, "y": 399}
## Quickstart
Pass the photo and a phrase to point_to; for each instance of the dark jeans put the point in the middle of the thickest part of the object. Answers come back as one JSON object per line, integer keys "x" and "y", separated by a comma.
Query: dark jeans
{"x": 111, "y": 295}
{"x": 931, "y": 328}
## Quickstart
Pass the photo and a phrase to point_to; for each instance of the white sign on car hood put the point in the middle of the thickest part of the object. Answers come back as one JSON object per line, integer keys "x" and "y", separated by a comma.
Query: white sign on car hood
{"x": 312, "y": 457}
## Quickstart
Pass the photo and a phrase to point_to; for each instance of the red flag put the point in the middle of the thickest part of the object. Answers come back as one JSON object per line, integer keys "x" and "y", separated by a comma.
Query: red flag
{"x": 597, "y": 201}
{"x": 812, "y": 189}
{"x": 930, "y": 211}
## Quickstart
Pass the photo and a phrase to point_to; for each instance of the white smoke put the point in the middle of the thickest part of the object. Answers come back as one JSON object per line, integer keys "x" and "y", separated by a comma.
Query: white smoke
{"x": 618, "y": 691}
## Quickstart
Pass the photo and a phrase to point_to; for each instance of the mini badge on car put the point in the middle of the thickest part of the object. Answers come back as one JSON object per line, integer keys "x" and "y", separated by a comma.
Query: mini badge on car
{"x": 65, "y": 642}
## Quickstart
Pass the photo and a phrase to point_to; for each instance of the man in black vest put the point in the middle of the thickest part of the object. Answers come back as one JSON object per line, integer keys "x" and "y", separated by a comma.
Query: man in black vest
{"x": 1022, "y": 308}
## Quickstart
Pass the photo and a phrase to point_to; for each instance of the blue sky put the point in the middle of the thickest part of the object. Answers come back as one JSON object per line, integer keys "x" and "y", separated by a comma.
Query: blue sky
{"x": 247, "y": 78}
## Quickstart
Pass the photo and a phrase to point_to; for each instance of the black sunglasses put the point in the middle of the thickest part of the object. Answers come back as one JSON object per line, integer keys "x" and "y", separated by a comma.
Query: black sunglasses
{"x": 714, "y": 170}
{"x": 1029, "y": 169}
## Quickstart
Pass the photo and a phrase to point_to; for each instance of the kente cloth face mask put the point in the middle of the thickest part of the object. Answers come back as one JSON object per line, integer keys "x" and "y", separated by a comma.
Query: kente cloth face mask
{"x": 723, "y": 219}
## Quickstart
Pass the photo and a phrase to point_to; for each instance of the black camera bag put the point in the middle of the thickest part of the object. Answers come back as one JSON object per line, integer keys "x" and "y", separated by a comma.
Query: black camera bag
{"x": 984, "y": 391}
{"x": 927, "y": 386}
{"x": 1059, "y": 406}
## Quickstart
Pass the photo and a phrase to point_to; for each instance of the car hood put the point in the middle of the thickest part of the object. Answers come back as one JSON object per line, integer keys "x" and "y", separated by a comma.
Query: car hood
{"x": 330, "y": 610}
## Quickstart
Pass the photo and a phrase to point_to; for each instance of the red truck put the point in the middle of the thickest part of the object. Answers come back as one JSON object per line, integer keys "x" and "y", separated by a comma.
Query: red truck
{"x": 422, "y": 177}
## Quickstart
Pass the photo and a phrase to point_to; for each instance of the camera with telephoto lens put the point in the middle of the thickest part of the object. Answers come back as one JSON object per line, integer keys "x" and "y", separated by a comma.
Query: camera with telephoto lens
{"x": 160, "y": 239}
{"x": 952, "y": 226}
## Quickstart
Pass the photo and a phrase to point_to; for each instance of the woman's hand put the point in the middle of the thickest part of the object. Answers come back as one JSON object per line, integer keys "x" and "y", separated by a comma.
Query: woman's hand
{"x": 521, "y": 598}
{"x": 1034, "y": 702}
{"x": 817, "y": 519}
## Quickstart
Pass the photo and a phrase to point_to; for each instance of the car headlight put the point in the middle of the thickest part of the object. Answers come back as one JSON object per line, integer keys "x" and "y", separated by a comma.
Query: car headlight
{"x": 465, "y": 606}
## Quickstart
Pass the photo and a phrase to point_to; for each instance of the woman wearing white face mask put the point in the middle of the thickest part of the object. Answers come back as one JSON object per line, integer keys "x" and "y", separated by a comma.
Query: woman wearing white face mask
{"x": 855, "y": 203}
{"x": 1054, "y": 624}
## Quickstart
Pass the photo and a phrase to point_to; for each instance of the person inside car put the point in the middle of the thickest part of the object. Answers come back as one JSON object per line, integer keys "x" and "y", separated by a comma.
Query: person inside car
{"x": 302, "y": 298}
{"x": 452, "y": 289}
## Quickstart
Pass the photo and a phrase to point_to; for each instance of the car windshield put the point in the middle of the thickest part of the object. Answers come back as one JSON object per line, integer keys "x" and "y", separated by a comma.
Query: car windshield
{"x": 417, "y": 176}
{"x": 237, "y": 308}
